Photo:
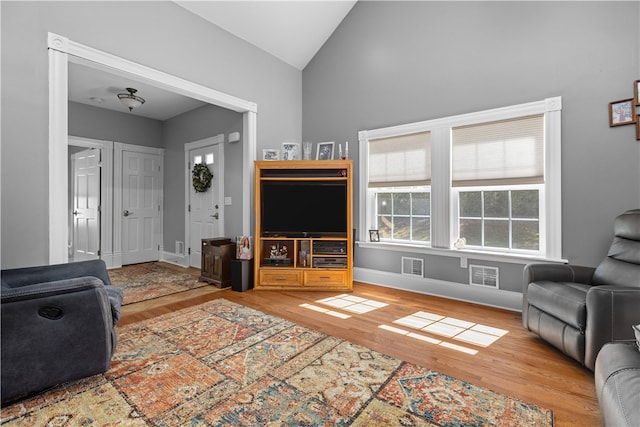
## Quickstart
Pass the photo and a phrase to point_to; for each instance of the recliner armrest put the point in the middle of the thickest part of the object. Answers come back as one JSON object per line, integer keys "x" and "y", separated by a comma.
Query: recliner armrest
{"x": 557, "y": 273}
{"x": 612, "y": 310}
{"x": 44, "y": 289}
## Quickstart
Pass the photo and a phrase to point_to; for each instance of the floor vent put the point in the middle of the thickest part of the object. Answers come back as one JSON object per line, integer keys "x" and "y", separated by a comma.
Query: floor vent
{"x": 179, "y": 247}
{"x": 481, "y": 275}
{"x": 412, "y": 267}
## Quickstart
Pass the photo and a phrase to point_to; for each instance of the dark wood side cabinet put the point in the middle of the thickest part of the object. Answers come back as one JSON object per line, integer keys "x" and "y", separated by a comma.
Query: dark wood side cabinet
{"x": 217, "y": 254}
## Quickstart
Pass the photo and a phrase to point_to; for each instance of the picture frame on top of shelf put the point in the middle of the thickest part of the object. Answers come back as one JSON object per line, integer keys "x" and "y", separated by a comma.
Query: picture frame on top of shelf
{"x": 324, "y": 151}
{"x": 290, "y": 151}
{"x": 374, "y": 236}
{"x": 270, "y": 154}
{"x": 636, "y": 94}
{"x": 622, "y": 112}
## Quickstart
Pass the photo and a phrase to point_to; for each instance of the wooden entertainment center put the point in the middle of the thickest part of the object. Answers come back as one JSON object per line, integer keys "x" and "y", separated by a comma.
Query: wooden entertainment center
{"x": 310, "y": 259}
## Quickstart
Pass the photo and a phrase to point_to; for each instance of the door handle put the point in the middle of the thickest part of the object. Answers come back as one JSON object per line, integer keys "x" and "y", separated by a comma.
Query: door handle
{"x": 216, "y": 215}
{"x": 127, "y": 213}
{"x": 76, "y": 213}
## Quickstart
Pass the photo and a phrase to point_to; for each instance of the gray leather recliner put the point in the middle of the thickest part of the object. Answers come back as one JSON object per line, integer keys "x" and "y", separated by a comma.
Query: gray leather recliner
{"x": 579, "y": 309}
{"x": 58, "y": 325}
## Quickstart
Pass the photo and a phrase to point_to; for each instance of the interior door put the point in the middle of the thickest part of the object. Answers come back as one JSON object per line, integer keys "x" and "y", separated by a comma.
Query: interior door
{"x": 86, "y": 204}
{"x": 141, "y": 207}
{"x": 205, "y": 209}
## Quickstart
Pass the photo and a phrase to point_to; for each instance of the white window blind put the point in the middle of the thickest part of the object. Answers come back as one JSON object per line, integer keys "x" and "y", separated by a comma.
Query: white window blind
{"x": 400, "y": 161}
{"x": 504, "y": 152}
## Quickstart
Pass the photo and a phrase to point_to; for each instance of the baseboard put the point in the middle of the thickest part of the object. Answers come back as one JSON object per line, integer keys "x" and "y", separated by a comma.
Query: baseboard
{"x": 507, "y": 300}
{"x": 176, "y": 259}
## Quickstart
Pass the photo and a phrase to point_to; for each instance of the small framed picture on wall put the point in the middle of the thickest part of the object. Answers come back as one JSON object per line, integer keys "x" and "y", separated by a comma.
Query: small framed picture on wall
{"x": 636, "y": 95}
{"x": 622, "y": 112}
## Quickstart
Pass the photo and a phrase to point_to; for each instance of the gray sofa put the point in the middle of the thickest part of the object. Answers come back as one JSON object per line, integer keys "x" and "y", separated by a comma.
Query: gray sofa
{"x": 58, "y": 325}
{"x": 580, "y": 309}
{"x": 617, "y": 377}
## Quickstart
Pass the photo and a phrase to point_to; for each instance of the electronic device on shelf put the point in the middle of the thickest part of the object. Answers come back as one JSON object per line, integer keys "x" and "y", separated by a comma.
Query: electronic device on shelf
{"x": 329, "y": 262}
{"x": 329, "y": 247}
{"x": 276, "y": 262}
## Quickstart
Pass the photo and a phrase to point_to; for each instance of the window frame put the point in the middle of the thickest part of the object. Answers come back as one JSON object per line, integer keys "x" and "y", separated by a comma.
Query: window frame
{"x": 443, "y": 206}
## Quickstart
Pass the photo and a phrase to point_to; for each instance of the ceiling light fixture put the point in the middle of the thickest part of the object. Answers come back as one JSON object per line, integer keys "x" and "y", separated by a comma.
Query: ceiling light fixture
{"x": 130, "y": 100}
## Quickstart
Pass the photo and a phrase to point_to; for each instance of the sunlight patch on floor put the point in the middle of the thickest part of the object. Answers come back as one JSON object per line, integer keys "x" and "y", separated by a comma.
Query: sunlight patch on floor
{"x": 325, "y": 311}
{"x": 352, "y": 303}
{"x": 429, "y": 340}
{"x": 461, "y": 330}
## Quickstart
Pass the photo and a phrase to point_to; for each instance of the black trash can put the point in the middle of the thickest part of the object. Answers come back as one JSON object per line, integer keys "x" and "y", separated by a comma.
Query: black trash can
{"x": 241, "y": 275}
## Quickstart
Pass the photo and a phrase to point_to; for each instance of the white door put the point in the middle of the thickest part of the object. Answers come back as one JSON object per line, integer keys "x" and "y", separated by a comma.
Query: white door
{"x": 86, "y": 204}
{"x": 205, "y": 209}
{"x": 141, "y": 207}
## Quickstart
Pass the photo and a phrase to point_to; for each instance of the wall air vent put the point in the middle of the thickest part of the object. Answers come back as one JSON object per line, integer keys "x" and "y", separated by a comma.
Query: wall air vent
{"x": 412, "y": 267}
{"x": 481, "y": 275}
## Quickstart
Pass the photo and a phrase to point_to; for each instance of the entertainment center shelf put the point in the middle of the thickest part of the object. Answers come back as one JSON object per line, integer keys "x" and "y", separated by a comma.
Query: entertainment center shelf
{"x": 303, "y": 225}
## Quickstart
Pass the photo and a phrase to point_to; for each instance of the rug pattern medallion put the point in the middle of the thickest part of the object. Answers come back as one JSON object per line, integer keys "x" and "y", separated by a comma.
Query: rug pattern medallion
{"x": 223, "y": 364}
{"x": 141, "y": 282}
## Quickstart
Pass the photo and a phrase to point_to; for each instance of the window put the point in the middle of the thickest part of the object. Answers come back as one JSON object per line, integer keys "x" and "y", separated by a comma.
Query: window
{"x": 399, "y": 178}
{"x": 491, "y": 177}
{"x": 403, "y": 214}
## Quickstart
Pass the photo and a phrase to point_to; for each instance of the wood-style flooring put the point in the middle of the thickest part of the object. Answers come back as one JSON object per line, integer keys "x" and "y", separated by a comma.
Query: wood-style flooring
{"x": 517, "y": 364}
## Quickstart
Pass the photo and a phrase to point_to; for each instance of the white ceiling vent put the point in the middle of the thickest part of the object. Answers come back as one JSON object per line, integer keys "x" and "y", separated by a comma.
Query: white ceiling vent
{"x": 412, "y": 267}
{"x": 482, "y": 275}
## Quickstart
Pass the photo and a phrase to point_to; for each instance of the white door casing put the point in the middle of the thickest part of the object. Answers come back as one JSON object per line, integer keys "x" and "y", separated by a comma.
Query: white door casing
{"x": 204, "y": 211}
{"x": 62, "y": 50}
{"x": 86, "y": 204}
{"x": 141, "y": 204}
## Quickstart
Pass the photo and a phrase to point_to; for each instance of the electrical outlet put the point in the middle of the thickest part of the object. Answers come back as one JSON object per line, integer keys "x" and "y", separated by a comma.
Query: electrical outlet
{"x": 227, "y": 201}
{"x": 463, "y": 262}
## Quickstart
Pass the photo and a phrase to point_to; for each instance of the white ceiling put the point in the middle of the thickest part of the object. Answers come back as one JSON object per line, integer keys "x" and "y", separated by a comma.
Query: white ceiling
{"x": 292, "y": 31}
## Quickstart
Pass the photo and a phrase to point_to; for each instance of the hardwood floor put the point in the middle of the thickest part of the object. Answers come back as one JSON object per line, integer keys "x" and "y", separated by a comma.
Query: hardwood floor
{"x": 517, "y": 364}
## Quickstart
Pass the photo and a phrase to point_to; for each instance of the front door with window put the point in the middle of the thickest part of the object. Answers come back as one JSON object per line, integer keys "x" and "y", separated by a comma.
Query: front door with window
{"x": 206, "y": 210}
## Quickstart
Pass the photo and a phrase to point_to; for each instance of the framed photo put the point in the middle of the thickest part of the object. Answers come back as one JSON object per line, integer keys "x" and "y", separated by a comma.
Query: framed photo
{"x": 637, "y": 128}
{"x": 290, "y": 151}
{"x": 270, "y": 154}
{"x": 636, "y": 93}
{"x": 622, "y": 112}
{"x": 244, "y": 247}
{"x": 374, "y": 236}
{"x": 324, "y": 151}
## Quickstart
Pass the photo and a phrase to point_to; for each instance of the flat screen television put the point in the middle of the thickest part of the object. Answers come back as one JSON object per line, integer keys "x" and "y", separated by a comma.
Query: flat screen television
{"x": 303, "y": 209}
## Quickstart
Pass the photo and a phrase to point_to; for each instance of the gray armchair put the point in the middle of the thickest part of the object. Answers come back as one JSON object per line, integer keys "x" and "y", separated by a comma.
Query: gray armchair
{"x": 579, "y": 309}
{"x": 58, "y": 325}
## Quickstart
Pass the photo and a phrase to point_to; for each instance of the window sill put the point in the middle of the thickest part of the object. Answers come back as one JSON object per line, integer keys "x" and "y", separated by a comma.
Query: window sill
{"x": 459, "y": 253}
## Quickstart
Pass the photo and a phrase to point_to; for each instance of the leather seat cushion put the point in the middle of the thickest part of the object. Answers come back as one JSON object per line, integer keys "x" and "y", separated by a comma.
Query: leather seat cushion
{"x": 566, "y": 301}
{"x": 617, "y": 379}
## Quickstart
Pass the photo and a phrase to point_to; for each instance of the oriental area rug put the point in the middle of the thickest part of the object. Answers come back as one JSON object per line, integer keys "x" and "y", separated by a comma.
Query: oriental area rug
{"x": 141, "y": 282}
{"x": 223, "y": 364}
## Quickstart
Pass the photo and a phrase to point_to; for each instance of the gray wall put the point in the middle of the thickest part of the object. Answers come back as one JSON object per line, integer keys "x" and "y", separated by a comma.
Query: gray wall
{"x": 392, "y": 63}
{"x": 165, "y": 37}
{"x": 88, "y": 121}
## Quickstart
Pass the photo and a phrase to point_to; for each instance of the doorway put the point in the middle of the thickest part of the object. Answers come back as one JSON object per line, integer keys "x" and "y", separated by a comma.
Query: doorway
{"x": 61, "y": 51}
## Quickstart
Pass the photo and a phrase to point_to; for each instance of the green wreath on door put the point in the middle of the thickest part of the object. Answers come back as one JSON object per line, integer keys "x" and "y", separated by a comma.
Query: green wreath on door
{"x": 201, "y": 177}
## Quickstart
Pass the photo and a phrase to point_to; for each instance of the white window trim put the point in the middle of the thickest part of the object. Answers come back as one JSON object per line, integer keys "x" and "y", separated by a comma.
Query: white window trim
{"x": 442, "y": 233}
